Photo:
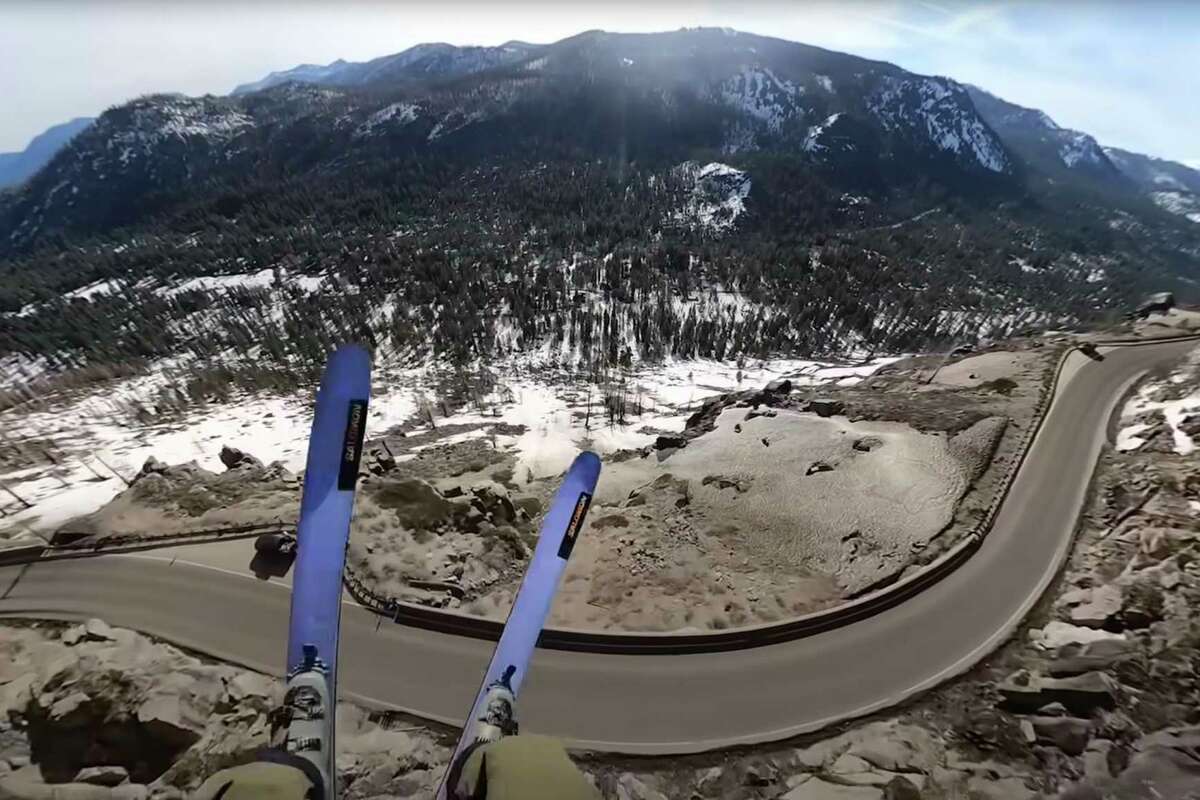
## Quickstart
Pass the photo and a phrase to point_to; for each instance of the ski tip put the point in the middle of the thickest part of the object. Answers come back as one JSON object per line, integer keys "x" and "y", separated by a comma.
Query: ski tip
{"x": 587, "y": 467}
{"x": 351, "y": 354}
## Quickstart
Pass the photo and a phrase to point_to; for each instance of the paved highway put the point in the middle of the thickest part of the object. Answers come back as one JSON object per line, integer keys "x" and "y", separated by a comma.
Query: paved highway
{"x": 648, "y": 704}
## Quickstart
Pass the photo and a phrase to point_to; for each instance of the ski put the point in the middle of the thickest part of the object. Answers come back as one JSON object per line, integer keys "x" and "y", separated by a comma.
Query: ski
{"x": 326, "y": 505}
{"x": 492, "y": 714}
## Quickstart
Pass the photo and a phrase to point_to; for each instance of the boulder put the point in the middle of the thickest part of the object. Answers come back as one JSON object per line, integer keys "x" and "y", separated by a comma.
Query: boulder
{"x": 867, "y": 443}
{"x": 778, "y": 386}
{"x": 1076, "y": 659}
{"x": 97, "y": 630}
{"x": 670, "y": 441}
{"x": 817, "y": 789}
{"x": 1066, "y": 733}
{"x": 152, "y": 466}
{"x": 417, "y": 504}
{"x": 168, "y": 719}
{"x": 103, "y": 776}
{"x": 826, "y": 407}
{"x": 818, "y": 466}
{"x": 1057, "y": 634}
{"x": 1165, "y": 766}
{"x": 1102, "y": 605}
{"x": 630, "y": 787}
{"x": 233, "y": 458}
{"x": 71, "y": 709}
{"x": 901, "y": 788}
{"x": 492, "y": 498}
{"x": 1080, "y": 694}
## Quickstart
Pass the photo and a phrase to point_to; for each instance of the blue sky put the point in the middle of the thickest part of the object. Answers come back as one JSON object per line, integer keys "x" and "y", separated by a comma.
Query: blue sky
{"x": 1122, "y": 71}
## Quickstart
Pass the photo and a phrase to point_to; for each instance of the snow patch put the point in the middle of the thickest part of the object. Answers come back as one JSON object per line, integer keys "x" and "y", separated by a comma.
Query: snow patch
{"x": 1184, "y": 204}
{"x": 717, "y": 198}
{"x": 397, "y": 113}
{"x": 761, "y": 94}
{"x": 1079, "y": 148}
{"x": 939, "y": 111}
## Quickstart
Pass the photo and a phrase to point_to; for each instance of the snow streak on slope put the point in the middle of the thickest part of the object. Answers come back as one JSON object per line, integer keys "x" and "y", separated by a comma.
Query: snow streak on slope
{"x": 395, "y": 115}
{"x": 1184, "y": 204}
{"x": 717, "y": 198}
{"x": 763, "y": 95}
{"x": 1079, "y": 148}
{"x": 939, "y": 111}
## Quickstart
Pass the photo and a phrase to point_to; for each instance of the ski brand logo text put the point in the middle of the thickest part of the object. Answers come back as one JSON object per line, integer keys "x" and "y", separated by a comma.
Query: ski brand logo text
{"x": 581, "y": 509}
{"x": 356, "y": 430}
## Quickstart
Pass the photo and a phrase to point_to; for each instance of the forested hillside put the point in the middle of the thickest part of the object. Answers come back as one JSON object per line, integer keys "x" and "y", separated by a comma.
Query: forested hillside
{"x": 606, "y": 199}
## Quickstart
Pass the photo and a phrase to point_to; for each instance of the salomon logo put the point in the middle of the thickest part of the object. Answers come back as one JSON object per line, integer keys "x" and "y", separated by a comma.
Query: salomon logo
{"x": 356, "y": 429}
{"x": 581, "y": 509}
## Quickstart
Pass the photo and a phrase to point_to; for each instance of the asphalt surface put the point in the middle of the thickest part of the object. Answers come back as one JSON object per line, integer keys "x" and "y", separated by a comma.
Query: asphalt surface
{"x": 646, "y": 703}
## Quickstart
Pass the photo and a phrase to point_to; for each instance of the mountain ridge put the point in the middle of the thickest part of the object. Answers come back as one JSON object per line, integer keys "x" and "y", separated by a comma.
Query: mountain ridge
{"x": 17, "y": 167}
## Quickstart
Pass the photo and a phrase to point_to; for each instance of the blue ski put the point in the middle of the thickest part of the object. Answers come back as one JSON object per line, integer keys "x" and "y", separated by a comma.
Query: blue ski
{"x": 492, "y": 713}
{"x": 334, "y": 450}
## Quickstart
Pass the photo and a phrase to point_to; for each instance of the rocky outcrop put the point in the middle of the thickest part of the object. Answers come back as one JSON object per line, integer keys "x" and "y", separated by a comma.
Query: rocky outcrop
{"x": 234, "y": 458}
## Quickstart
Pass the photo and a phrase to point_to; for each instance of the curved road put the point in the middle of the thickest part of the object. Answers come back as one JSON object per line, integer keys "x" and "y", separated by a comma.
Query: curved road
{"x": 649, "y": 704}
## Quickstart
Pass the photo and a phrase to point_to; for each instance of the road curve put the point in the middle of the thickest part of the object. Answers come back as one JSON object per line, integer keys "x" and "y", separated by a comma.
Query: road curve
{"x": 649, "y": 704}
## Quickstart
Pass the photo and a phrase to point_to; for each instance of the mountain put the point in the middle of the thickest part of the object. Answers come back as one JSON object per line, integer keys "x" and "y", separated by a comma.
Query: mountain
{"x": 651, "y": 98}
{"x": 423, "y": 60}
{"x": 1052, "y": 150}
{"x": 1172, "y": 186}
{"x": 15, "y": 168}
{"x": 604, "y": 197}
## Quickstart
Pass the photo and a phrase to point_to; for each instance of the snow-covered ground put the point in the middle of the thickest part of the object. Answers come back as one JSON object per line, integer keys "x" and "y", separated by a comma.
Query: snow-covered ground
{"x": 95, "y": 436}
{"x": 1174, "y": 400}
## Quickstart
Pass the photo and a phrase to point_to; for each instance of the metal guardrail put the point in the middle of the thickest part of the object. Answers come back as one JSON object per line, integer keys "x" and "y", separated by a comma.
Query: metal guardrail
{"x": 633, "y": 643}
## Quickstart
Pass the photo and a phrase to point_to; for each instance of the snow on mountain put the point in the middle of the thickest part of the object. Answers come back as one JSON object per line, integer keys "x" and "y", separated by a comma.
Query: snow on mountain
{"x": 394, "y": 115}
{"x": 1155, "y": 174}
{"x": 812, "y": 141}
{"x": 1181, "y": 203}
{"x": 716, "y": 199}
{"x": 760, "y": 93}
{"x": 433, "y": 58}
{"x": 941, "y": 110}
{"x": 304, "y": 73}
{"x": 1080, "y": 148}
{"x": 153, "y": 120}
{"x": 825, "y": 82}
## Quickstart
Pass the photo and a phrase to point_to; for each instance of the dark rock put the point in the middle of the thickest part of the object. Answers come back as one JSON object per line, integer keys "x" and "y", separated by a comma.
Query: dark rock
{"x": 766, "y": 442}
{"x": 778, "y": 386}
{"x": 818, "y": 466}
{"x": 233, "y": 458}
{"x": 384, "y": 460}
{"x": 417, "y": 504}
{"x": 826, "y": 407}
{"x": 737, "y": 428}
{"x": 531, "y": 506}
{"x": 667, "y": 442}
{"x": 493, "y": 499}
{"x": 1066, "y": 733}
{"x": 453, "y": 491}
{"x": 900, "y": 788}
{"x": 153, "y": 466}
{"x": 1076, "y": 659}
{"x": 867, "y": 443}
{"x": 1081, "y": 694}
{"x": 1143, "y": 604}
